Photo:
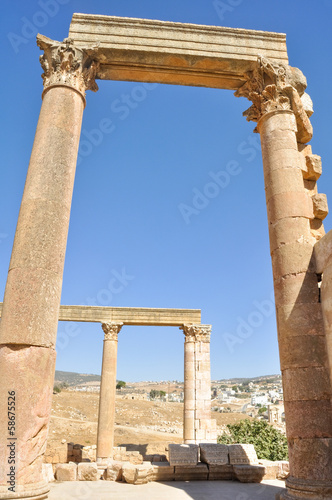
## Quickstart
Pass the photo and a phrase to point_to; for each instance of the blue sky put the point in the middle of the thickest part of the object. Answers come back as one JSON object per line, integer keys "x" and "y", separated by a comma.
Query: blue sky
{"x": 129, "y": 244}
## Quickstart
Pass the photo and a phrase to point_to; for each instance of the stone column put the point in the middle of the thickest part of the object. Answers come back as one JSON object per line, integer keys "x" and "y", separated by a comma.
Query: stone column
{"x": 198, "y": 427}
{"x": 105, "y": 432}
{"x": 32, "y": 296}
{"x": 284, "y": 128}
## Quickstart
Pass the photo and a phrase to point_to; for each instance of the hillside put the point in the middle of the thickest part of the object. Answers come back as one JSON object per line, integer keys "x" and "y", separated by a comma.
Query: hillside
{"x": 73, "y": 379}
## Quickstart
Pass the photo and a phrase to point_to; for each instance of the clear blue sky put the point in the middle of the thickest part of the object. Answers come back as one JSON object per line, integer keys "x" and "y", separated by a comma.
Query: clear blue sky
{"x": 125, "y": 217}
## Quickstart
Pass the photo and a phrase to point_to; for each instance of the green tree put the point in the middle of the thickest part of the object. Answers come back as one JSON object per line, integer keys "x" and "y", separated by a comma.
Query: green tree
{"x": 235, "y": 388}
{"x": 162, "y": 394}
{"x": 120, "y": 384}
{"x": 154, "y": 394}
{"x": 56, "y": 389}
{"x": 269, "y": 442}
{"x": 262, "y": 410}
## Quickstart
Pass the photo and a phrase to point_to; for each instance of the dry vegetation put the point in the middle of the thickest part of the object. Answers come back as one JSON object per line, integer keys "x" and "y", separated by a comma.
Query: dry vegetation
{"x": 145, "y": 425}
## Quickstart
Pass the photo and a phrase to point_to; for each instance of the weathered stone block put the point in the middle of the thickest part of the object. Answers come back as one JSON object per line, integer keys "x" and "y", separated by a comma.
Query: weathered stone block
{"x": 48, "y": 473}
{"x": 137, "y": 474}
{"x": 283, "y": 472}
{"x": 300, "y": 319}
{"x": 221, "y": 472}
{"x": 271, "y": 468}
{"x": 114, "y": 471}
{"x": 163, "y": 471}
{"x": 197, "y": 472}
{"x": 214, "y": 454}
{"x": 242, "y": 454}
{"x": 310, "y": 383}
{"x": 293, "y": 258}
{"x": 285, "y": 205}
{"x": 66, "y": 472}
{"x": 89, "y": 453}
{"x": 320, "y": 207}
{"x": 301, "y": 351}
{"x": 249, "y": 473}
{"x": 299, "y": 289}
{"x": 314, "y": 167}
{"x": 311, "y": 458}
{"x": 186, "y": 454}
{"x": 288, "y": 230}
{"x": 302, "y": 414}
{"x": 87, "y": 472}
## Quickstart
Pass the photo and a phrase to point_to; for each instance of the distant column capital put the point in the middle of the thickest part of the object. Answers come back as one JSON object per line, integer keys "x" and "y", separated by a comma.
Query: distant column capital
{"x": 272, "y": 87}
{"x": 196, "y": 332}
{"x": 64, "y": 64}
{"x": 111, "y": 330}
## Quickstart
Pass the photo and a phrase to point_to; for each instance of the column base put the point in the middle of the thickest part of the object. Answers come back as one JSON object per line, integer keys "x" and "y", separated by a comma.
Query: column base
{"x": 299, "y": 489}
{"x": 26, "y": 492}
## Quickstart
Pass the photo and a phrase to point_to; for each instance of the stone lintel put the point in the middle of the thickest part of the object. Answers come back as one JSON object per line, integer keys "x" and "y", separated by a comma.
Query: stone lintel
{"x": 142, "y": 316}
{"x": 144, "y": 50}
{"x": 323, "y": 252}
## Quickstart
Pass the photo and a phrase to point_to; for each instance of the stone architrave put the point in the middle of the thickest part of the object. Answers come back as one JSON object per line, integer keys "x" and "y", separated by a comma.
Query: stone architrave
{"x": 198, "y": 427}
{"x": 105, "y": 432}
{"x": 275, "y": 91}
{"x": 32, "y": 296}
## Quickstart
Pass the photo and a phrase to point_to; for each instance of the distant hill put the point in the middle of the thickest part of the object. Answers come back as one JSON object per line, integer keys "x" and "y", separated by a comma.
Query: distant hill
{"x": 262, "y": 378}
{"x": 73, "y": 379}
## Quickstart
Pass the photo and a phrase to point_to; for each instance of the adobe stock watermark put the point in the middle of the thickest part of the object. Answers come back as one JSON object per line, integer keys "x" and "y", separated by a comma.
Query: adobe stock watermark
{"x": 219, "y": 181}
{"x": 31, "y": 27}
{"x": 117, "y": 284}
{"x": 246, "y": 327}
{"x": 121, "y": 108}
{"x": 224, "y": 7}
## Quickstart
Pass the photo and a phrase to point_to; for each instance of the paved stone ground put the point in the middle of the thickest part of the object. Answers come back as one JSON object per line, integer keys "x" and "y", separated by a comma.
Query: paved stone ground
{"x": 175, "y": 490}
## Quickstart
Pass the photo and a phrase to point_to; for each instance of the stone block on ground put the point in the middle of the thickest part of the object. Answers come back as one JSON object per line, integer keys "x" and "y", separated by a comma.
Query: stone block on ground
{"x": 89, "y": 453}
{"x": 66, "y": 472}
{"x": 242, "y": 454}
{"x": 163, "y": 471}
{"x": 114, "y": 471}
{"x": 221, "y": 473}
{"x": 213, "y": 453}
{"x": 87, "y": 471}
{"x": 271, "y": 468}
{"x": 283, "y": 472}
{"x": 197, "y": 472}
{"x": 249, "y": 473}
{"x": 137, "y": 474}
{"x": 183, "y": 454}
{"x": 48, "y": 473}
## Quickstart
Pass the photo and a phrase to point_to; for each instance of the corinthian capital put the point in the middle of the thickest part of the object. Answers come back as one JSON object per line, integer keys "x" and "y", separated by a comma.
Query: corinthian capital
{"x": 111, "y": 330}
{"x": 196, "y": 333}
{"x": 65, "y": 64}
{"x": 272, "y": 87}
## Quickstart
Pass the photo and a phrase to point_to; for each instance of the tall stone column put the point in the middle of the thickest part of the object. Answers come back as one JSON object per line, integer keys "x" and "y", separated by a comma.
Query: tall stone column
{"x": 32, "y": 296}
{"x": 105, "y": 432}
{"x": 284, "y": 129}
{"x": 198, "y": 427}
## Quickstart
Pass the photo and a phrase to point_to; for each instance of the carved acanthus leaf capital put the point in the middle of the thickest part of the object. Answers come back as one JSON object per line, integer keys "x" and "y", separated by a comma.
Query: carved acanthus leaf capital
{"x": 111, "y": 330}
{"x": 197, "y": 333}
{"x": 273, "y": 86}
{"x": 65, "y": 64}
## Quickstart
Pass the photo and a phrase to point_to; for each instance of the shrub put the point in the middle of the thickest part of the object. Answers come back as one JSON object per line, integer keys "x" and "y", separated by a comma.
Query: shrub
{"x": 270, "y": 443}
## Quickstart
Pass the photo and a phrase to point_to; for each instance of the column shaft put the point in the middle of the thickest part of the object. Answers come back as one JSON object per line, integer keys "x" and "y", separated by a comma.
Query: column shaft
{"x": 198, "y": 427}
{"x": 301, "y": 335}
{"x": 106, "y": 417}
{"x": 32, "y": 296}
{"x": 189, "y": 393}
